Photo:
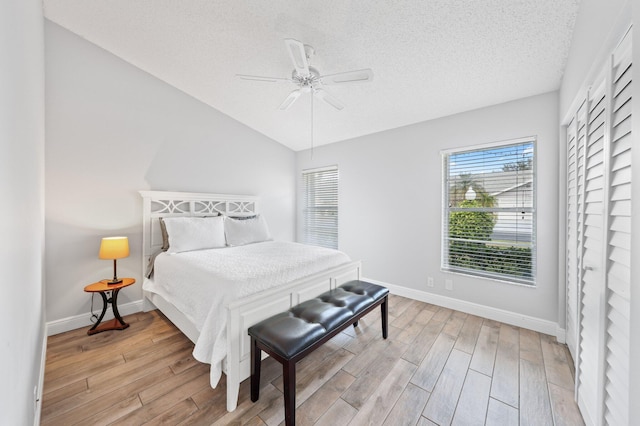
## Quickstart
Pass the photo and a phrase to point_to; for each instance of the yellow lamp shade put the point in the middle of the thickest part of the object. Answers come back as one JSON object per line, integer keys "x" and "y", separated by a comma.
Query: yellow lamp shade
{"x": 114, "y": 248}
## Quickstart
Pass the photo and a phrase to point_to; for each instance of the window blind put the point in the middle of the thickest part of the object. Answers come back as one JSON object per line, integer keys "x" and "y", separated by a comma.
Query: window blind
{"x": 488, "y": 216}
{"x": 320, "y": 207}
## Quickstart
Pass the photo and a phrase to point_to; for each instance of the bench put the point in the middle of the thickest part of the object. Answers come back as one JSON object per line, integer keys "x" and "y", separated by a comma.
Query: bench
{"x": 292, "y": 335}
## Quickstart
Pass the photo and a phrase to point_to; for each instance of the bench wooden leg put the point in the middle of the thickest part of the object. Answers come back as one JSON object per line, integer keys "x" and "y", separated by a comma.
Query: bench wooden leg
{"x": 385, "y": 315}
{"x": 256, "y": 358}
{"x": 289, "y": 379}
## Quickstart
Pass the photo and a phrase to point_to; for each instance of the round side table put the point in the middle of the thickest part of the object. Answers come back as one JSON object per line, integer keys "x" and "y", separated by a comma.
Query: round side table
{"x": 103, "y": 288}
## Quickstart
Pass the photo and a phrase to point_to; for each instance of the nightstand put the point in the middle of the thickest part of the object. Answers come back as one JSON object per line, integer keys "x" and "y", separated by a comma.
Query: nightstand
{"x": 103, "y": 288}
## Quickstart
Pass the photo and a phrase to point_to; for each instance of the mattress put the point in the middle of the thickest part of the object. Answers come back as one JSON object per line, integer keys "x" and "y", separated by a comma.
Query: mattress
{"x": 201, "y": 283}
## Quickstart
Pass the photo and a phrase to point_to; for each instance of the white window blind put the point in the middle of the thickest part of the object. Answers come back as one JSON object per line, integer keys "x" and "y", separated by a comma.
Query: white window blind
{"x": 488, "y": 215}
{"x": 320, "y": 207}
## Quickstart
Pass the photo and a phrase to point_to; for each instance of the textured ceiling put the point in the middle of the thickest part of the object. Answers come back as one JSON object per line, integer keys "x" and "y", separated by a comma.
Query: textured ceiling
{"x": 430, "y": 58}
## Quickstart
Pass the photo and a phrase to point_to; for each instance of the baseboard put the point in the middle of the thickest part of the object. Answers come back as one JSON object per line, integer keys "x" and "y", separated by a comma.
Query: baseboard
{"x": 43, "y": 359}
{"x": 507, "y": 317}
{"x": 84, "y": 320}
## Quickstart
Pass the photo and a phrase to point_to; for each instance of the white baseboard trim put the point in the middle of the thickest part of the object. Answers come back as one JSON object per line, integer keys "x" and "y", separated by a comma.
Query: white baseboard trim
{"x": 84, "y": 320}
{"x": 507, "y": 317}
{"x": 43, "y": 361}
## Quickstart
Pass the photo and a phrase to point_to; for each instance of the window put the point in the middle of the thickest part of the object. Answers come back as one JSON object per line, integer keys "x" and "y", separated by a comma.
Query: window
{"x": 320, "y": 207}
{"x": 488, "y": 221}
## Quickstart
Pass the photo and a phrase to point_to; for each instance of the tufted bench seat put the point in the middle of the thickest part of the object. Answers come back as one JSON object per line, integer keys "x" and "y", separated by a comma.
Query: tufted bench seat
{"x": 290, "y": 336}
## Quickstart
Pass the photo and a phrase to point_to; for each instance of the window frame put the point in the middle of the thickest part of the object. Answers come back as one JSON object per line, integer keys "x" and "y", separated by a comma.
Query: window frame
{"x": 308, "y": 235}
{"x": 530, "y": 282}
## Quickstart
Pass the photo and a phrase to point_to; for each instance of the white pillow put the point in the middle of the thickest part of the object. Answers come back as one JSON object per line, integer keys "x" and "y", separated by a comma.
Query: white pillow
{"x": 245, "y": 231}
{"x": 194, "y": 233}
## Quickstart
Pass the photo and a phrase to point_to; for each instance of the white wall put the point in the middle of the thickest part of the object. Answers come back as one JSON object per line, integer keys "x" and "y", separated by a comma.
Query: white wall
{"x": 22, "y": 212}
{"x": 112, "y": 130}
{"x": 390, "y": 201}
{"x": 594, "y": 36}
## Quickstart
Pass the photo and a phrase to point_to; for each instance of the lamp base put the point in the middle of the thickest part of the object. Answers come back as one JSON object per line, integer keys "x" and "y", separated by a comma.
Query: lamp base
{"x": 114, "y": 281}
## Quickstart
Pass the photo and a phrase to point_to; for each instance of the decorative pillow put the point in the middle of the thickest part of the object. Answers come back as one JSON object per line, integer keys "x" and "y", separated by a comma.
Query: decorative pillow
{"x": 165, "y": 236}
{"x": 245, "y": 231}
{"x": 194, "y": 233}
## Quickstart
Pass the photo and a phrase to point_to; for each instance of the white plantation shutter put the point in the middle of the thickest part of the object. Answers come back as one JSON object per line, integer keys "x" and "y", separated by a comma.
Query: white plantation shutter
{"x": 590, "y": 131}
{"x": 320, "y": 207}
{"x": 572, "y": 273}
{"x": 619, "y": 242}
{"x": 598, "y": 227}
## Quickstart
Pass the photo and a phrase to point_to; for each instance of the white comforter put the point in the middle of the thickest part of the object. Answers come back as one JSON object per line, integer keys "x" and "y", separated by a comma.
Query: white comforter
{"x": 201, "y": 283}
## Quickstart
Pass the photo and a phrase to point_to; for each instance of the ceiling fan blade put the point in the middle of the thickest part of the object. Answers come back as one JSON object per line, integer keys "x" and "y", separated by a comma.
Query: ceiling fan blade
{"x": 298, "y": 56}
{"x": 290, "y": 100}
{"x": 330, "y": 99}
{"x": 349, "y": 77}
{"x": 267, "y": 79}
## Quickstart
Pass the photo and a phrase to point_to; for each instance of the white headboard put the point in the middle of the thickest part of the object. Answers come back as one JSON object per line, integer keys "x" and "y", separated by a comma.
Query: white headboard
{"x": 157, "y": 204}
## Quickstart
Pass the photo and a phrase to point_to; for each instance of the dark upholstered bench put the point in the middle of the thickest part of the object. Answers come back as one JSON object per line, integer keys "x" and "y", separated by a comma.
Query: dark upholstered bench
{"x": 290, "y": 336}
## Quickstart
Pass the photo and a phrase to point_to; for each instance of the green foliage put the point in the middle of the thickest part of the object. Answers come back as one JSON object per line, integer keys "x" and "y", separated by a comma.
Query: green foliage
{"x": 511, "y": 261}
{"x": 462, "y": 184}
{"x": 471, "y": 225}
{"x": 482, "y": 256}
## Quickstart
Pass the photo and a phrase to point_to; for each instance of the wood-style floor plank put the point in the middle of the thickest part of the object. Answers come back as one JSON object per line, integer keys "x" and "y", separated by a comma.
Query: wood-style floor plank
{"x": 381, "y": 402}
{"x": 409, "y": 406}
{"x": 484, "y": 354}
{"x": 429, "y": 370}
{"x": 370, "y": 378}
{"x": 565, "y": 409}
{"x": 438, "y": 366}
{"x": 469, "y": 334}
{"x": 506, "y": 376}
{"x": 315, "y": 406}
{"x": 556, "y": 364}
{"x": 339, "y": 413}
{"x": 474, "y": 399}
{"x": 535, "y": 407}
{"x": 422, "y": 343}
{"x": 442, "y": 403}
{"x": 501, "y": 414}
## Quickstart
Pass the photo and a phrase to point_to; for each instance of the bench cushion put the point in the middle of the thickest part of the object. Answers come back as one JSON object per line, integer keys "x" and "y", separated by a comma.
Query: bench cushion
{"x": 291, "y": 332}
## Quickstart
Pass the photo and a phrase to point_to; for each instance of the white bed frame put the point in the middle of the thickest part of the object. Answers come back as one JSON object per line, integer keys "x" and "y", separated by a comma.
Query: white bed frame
{"x": 242, "y": 313}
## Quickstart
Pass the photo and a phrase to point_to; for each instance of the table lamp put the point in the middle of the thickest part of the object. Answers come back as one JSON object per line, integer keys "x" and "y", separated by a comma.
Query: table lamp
{"x": 114, "y": 248}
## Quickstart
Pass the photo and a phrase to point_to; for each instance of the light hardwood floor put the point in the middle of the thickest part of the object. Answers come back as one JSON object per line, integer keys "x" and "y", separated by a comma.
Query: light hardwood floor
{"x": 438, "y": 366}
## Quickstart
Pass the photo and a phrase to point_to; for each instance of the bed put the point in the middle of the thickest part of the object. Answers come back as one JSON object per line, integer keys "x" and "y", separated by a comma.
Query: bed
{"x": 223, "y": 341}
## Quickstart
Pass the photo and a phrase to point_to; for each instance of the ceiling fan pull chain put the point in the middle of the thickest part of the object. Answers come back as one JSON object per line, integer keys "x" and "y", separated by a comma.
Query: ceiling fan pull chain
{"x": 311, "y": 96}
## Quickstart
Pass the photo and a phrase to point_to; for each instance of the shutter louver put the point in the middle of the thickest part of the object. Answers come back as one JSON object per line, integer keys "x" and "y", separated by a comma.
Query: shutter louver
{"x": 320, "y": 207}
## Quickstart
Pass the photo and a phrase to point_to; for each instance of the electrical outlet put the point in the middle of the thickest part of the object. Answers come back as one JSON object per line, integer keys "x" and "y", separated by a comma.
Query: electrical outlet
{"x": 429, "y": 281}
{"x": 448, "y": 284}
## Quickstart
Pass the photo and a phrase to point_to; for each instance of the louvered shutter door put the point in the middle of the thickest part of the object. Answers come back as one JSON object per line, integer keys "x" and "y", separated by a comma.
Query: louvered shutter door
{"x": 572, "y": 232}
{"x": 619, "y": 242}
{"x": 591, "y": 202}
{"x": 599, "y": 242}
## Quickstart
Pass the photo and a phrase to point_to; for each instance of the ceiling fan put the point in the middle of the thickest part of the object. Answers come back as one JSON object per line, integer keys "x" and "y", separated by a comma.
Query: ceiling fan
{"x": 308, "y": 79}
